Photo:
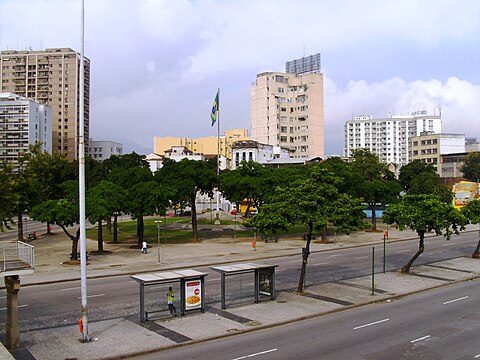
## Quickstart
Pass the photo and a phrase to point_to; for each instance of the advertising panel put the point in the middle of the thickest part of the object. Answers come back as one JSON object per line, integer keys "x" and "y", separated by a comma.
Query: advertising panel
{"x": 193, "y": 294}
{"x": 464, "y": 192}
{"x": 266, "y": 276}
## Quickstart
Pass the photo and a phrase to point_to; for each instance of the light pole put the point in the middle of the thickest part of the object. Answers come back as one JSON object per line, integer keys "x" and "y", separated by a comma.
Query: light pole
{"x": 158, "y": 239}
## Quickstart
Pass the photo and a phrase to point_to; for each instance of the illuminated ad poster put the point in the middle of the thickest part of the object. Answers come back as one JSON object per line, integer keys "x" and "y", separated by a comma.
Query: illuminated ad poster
{"x": 193, "y": 294}
{"x": 465, "y": 191}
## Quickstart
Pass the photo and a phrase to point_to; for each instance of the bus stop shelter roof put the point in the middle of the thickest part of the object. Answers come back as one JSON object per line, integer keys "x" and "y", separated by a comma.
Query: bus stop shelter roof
{"x": 167, "y": 276}
{"x": 241, "y": 268}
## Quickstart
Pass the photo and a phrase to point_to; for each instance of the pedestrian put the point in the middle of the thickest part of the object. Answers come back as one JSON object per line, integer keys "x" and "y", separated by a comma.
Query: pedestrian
{"x": 170, "y": 300}
{"x": 144, "y": 247}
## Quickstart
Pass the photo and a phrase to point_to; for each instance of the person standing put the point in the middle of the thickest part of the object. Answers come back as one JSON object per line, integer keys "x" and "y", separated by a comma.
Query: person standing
{"x": 170, "y": 302}
{"x": 144, "y": 247}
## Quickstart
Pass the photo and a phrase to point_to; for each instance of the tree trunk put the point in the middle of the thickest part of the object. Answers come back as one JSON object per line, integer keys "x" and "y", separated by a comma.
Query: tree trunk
{"x": 100, "y": 236}
{"x": 194, "y": 220}
{"x": 20, "y": 227}
{"x": 421, "y": 247}
{"x": 109, "y": 225}
{"x": 374, "y": 217}
{"x": 49, "y": 228}
{"x": 140, "y": 231}
{"x": 74, "y": 241}
{"x": 115, "y": 228}
{"x": 305, "y": 254}
{"x": 324, "y": 233}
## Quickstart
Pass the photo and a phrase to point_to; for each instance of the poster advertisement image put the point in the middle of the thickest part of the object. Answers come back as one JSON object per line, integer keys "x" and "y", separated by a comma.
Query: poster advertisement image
{"x": 193, "y": 294}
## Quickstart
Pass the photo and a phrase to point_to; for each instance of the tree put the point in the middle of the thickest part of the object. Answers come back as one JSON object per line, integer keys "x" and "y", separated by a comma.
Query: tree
{"x": 63, "y": 212}
{"x": 314, "y": 201}
{"x": 471, "y": 166}
{"x": 472, "y": 213}
{"x": 430, "y": 183}
{"x": 145, "y": 199}
{"x": 186, "y": 179}
{"x": 423, "y": 214}
{"x": 8, "y": 197}
{"x": 102, "y": 202}
{"x": 376, "y": 184}
{"x": 411, "y": 170}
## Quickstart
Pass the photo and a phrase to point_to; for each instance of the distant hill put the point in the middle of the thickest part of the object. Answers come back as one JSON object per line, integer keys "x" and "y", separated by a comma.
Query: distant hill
{"x": 130, "y": 146}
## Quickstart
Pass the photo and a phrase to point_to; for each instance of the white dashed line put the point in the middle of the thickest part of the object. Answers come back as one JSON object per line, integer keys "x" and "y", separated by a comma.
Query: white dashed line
{"x": 19, "y": 306}
{"x": 370, "y": 324}
{"x": 335, "y": 255}
{"x": 92, "y": 296}
{"x": 401, "y": 251}
{"x": 322, "y": 263}
{"x": 256, "y": 354}
{"x": 360, "y": 257}
{"x": 420, "y": 339}
{"x": 72, "y": 288}
{"x": 454, "y": 300}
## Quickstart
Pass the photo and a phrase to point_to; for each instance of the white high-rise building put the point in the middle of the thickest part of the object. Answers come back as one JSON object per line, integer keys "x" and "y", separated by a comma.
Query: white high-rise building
{"x": 23, "y": 122}
{"x": 388, "y": 137}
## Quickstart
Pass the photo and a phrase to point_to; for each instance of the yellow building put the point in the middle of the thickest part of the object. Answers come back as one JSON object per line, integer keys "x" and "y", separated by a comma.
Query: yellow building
{"x": 206, "y": 146}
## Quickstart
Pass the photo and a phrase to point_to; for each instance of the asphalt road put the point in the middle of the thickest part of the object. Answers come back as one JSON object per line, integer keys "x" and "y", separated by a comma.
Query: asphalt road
{"x": 438, "y": 324}
{"x": 44, "y": 306}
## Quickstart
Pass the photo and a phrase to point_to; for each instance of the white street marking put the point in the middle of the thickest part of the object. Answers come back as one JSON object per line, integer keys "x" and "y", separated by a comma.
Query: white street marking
{"x": 335, "y": 255}
{"x": 401, "y": 251}
{"x": 322, "y": 263}
{"x": 360, "y": 257}
{"x": 420, "y": 339}
{"x": 91, "y": 296}
{"x": 451, "y": 301}
{"x": 295, "y": 260}
{"x": 20, "y": 306}
{"x": 280, "y": 270}
{"x": 72, "y": 288}
{"x": 256, "y": 354}
{"x": 477, "y": 356}
{"x": 3, "y": 297}
{"x": 370, "y": 324}
{"x": 216, "y": 279}
{"x": 448, "y": 244}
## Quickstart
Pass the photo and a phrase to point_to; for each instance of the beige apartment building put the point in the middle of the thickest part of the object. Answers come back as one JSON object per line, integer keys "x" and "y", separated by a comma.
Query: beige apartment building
{"x": 207, "y": 146}
{"x": 428, "y": 147}
{"x": 287, "y": 109}
{"x": 51, "y": 77}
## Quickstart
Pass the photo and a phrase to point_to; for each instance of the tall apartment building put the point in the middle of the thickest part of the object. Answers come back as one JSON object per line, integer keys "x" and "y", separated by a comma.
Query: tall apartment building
{"x": 51, "y": 77}
{"x": 23, "y": 122}
{"x": 287, "y": 108}
{"x": 207, "y": 146}
{"x": 388, "y": 137}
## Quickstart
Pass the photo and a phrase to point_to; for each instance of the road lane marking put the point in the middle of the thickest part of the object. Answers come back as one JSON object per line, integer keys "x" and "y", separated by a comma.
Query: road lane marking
{"x": 91, "y": 296}
{"x": 335, "y": 255}
{"x": 3, "y": 297}
{"x": 401, "y": 251}
{"x": 280, "y": 270}
{"x": 477, "y": 356}
{"x": 370, "y": 324}
{"x": 294, "y": 260}
{"x": 256, "y": 354}
{"x": 20, "y": 306}
{"x": 360, "y": 257}
{"x": 216, "y": 279}
{"x": 322, "y": 263}
{"x": 448, "y": 244}
{"x": 72, "y": 288}
{"x": 420, "y": 339}
{"x": 454, "y": 300}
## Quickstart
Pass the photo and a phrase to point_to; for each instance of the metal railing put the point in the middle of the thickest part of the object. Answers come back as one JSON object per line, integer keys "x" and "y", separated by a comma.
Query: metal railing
{"x": 17, "y": 255}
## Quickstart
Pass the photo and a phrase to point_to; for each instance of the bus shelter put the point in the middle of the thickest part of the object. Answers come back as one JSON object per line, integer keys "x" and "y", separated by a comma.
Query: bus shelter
{"x": 264, "y": 278}
{"x": 191, "y": 283}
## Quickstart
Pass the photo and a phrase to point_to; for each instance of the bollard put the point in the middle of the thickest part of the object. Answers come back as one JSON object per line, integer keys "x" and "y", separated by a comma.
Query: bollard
{"x": 80, "y": 325}
{"x": 373, "y": 270}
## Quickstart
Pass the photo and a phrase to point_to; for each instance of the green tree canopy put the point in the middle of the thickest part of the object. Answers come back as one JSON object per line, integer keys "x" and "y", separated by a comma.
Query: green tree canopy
{"x": 411, "y": 170}
{"x": 471, "y": 167}
{"x": 8, "y": 196}
{"x": 472, "y": 213}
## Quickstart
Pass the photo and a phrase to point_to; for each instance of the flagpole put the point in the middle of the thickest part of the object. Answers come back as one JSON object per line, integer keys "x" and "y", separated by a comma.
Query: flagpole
{"x": 218, "y": 147}
{"x": 81, "y": 185}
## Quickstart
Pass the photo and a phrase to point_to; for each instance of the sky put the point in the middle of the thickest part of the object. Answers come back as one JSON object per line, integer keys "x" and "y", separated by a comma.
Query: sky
{"x": 156, "y": 65}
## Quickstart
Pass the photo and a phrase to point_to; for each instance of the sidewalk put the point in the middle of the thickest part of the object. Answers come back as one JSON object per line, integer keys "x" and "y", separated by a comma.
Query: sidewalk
{"x": 119, "y": 337}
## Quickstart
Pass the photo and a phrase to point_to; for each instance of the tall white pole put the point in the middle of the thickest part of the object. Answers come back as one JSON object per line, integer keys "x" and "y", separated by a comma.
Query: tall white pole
{"x": 81, "y": 183}
{"x": 218, "y": 147}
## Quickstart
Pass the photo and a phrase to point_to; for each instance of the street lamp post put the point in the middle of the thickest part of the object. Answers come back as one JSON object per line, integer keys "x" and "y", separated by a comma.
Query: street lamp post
{"x": 158, "y": 239}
